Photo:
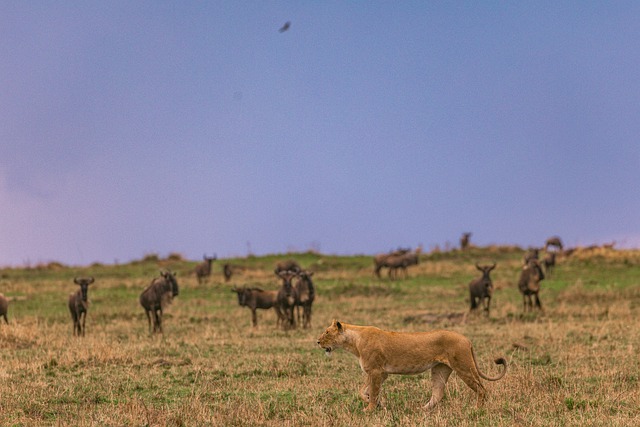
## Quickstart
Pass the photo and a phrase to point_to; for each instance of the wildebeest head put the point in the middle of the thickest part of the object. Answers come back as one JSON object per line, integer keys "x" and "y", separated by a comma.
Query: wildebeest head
{"x": 242, "y": 295}
{"x": 170, "y": 279}
{"x": 84, "y": 285}
{"x": 486, "y": 279}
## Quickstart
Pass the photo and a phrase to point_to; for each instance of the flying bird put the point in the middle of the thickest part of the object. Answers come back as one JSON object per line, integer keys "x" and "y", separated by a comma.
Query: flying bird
{"x": 285, "y": 27}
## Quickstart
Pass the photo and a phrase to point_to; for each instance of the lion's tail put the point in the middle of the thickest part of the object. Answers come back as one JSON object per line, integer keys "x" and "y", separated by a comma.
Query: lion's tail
{"x": 499, "y": 361}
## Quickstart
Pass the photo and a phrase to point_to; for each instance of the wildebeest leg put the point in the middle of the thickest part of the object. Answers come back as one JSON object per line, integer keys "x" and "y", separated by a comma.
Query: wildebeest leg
{"x": 159, "y": 317}
{"x": 254, "y": 317}
{"x": 83, "y": 317}
{"x": 439, "y": 376}
{"x": 474, "y": 304}
{"x": 487, "y": 305}
{"x": 292, "y": 318}
{"x": 278, "y": 315}
{"x": 148, "y": 313}
{"x": 307, "y": 316}
{"x": 538, "y": 302}
{"x": 5, "y": 318}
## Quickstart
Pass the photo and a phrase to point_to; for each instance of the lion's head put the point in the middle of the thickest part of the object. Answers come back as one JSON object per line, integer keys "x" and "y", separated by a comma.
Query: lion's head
{"x": 332, "y": 338}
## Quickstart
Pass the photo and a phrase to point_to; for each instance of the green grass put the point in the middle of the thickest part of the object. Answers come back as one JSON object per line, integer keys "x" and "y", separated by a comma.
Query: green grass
{"x": 575, "y": 364}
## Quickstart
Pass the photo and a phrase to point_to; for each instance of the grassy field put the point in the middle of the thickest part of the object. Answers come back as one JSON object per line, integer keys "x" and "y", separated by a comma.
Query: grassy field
{"x": 575, "y": 364}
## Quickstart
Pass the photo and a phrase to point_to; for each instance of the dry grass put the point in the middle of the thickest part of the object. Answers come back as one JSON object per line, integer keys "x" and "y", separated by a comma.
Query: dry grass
{"x": 575, "y": 364}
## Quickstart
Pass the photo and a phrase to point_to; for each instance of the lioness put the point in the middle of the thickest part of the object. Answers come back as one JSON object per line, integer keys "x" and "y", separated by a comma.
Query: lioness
{"x": 381, "y": 353}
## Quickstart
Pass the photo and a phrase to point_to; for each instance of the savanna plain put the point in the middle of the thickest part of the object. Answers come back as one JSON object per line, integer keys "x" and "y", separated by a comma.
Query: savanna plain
{"x": 575, "y": 363}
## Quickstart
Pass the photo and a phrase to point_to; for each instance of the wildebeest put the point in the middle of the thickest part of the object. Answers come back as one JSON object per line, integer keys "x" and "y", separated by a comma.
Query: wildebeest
{"x": 380, "y": 260}
{"x": 287, "y": 297}
{"x": 465, "y": 240}
{"x": 549, "y": 262}
{"x": 79, "y": 304}
{"x": 157, "y": 296}
{"x": 306, "y": 295}
{"x": 481, "y": 289}
{"x": 4, "y": 308}
{"x": 256, "y": 298}
{"x": 227, "y": 271}
{"x": 553, "y": 241}
{"x": 287, "y": 265}
{"x": 406, "y": 260}
{"x": 203, "y": 270}
{"x": 529, "y": 284}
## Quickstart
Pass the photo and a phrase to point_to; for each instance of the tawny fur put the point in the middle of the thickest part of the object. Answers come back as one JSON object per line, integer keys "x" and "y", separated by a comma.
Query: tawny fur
{"x": 381, "y": 353}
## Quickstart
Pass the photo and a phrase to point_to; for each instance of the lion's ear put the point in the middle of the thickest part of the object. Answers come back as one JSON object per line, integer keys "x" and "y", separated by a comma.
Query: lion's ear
{"x": 339, "y": 326}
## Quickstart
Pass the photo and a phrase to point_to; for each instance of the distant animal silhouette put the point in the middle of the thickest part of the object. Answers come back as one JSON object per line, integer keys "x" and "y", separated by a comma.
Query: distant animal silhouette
{"x": 285, "y": 27}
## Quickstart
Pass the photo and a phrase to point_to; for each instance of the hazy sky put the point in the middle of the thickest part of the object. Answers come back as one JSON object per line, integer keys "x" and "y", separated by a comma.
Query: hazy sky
{"x": 137, "y": 127}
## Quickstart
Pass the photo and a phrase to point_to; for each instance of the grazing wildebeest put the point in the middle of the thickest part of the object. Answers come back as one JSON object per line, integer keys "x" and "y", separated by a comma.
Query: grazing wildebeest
{"x": 79, "y": 305}
{"x": 404, "y": 261}
{"x": 157, "y": 296}
{"x": 549, "y": 262}
{"x": 481, "y": 289}
{"x": 255, "y": 298}
{"x": 553, "y": 241}
{"x": 306, "y": 294}
{"x": 529, "y": 284}
{"x": 203, "y": 270}
{"x": 227, "y": 271}
{"x": 4, "y": 308}
{"x": 287, "y": 265}
{"x": 380, "y": 260}
{"x": 287, "y": 297}
{"x": 465, "y": 240}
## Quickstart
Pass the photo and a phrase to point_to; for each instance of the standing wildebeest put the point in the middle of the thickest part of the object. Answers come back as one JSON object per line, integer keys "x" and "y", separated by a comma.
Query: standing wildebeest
{"x": 288, "y": 265}
{"x": 553, "y": 241}
{"x": 203, "y": 270}
{"x": 380, "y": 260}
{"x": 79, "y": 304}
{"x": 4, "y": 308}
{"x": 157, "y": 296}
{"x": 406, "y": 260}
{"x": 529, "y": 284}
{"x": 400, "y": 261}
{"x": 306, "y": 294}
{"x": 481, "y": 290}
{"x": 287, "y": 297}
{"x": 227, "y": 271}
{"x": 549, "y": 262}
{"x": 464, "y": 241}
{"x": 255, "y": 298}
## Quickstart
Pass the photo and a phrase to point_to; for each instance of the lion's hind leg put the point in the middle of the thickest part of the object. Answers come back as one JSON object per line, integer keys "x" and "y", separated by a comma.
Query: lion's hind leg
{"x": 439, "y": 376}
{"x": 470, "y": 376}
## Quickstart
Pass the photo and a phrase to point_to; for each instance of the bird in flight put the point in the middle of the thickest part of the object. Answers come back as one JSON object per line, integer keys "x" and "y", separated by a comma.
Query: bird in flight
{"x": 285, "y": 27}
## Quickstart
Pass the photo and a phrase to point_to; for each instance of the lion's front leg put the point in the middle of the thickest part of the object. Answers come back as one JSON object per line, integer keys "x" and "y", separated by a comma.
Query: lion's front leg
{"x": 439, "y": 376}
{"x": 364, "y": 390}
{"x": 372, "y": 388}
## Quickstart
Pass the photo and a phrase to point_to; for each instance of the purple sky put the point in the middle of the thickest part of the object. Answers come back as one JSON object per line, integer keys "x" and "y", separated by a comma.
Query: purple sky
{"x": 129, "y": 128}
